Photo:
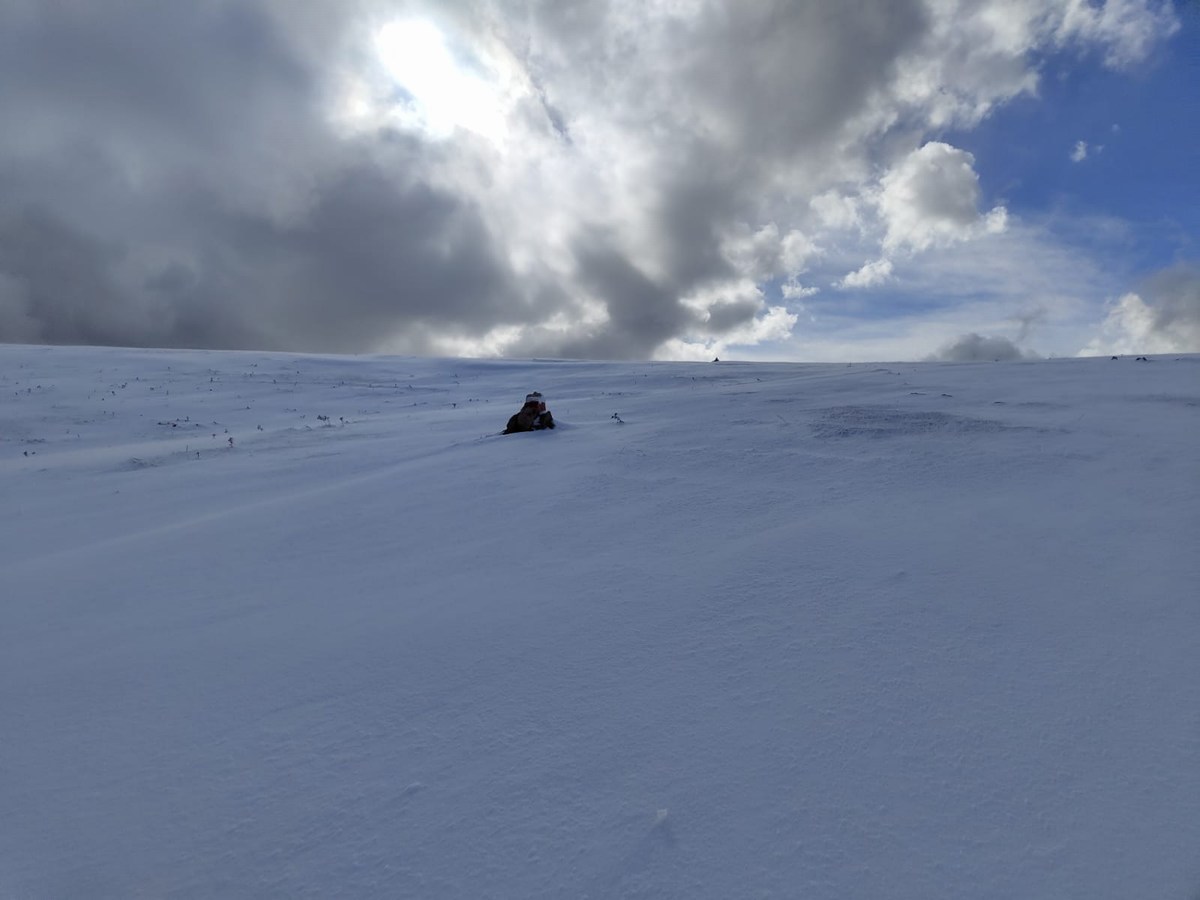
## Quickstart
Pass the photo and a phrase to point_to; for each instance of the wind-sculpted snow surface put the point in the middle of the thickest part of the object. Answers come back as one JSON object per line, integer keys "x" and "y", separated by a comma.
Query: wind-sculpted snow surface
{"x": 294, "y": 626}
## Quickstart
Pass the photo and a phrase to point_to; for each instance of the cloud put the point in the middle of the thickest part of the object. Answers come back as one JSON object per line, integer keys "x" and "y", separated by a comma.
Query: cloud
{"x": 52, "y": 273}
{"x": 618, "y": 179}
{"x": 1125, "y": 30}
{"x": 932, "y": 197}
{"x": 1080, "y": 151}
{"x": 977, "y": 348}
{"x": 836, "y": 211}
{"x": 870, "y": 275}
{"x": 1037, "y": 282}
{"x": 1166, "y": 320}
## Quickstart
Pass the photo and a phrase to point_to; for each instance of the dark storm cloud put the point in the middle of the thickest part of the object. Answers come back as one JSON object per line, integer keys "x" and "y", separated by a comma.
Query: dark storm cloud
{"x": 371, "y": 257}
{"x": 726, "y": 315}
{"x": 642, "y": 313}
{"x": 374, "y": 257}
{"x": 696, "y": 201}
{"x": 145, "y": 78}
{"x": 57, "y": 283}
{"x": 780, "y": 71}
{"x": 140, "y": 202}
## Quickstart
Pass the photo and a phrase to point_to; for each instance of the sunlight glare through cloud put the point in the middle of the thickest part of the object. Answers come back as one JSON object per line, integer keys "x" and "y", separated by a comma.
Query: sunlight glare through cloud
{"x": 446, "y": 96}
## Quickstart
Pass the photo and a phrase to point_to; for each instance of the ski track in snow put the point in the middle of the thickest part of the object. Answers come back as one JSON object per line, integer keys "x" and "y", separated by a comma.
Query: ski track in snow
{"x": 733, "y": 630}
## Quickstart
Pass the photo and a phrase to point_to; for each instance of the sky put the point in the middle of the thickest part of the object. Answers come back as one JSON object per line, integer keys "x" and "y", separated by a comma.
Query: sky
{"x": 634, "y": 179}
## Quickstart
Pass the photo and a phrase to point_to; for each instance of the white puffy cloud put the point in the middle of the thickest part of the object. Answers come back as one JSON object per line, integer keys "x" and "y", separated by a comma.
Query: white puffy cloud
{"x": 873, "y": 273}
{"x": 1167, "y": 320}
{"x": 1128, "y": 328}
{"x": 932, "y": 197}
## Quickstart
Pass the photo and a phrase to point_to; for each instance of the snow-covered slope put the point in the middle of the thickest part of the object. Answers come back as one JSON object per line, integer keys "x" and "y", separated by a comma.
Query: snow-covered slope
{"x": 277, "y": 625}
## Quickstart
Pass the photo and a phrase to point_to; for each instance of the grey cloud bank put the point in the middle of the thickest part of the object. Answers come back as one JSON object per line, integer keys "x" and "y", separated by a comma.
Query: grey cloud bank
{"x": 977, "y": 348}
{"x": 579, "y": 180}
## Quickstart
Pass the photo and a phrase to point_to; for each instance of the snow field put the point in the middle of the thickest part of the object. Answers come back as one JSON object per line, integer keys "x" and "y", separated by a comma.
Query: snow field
{"x": 907, "y": 630}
